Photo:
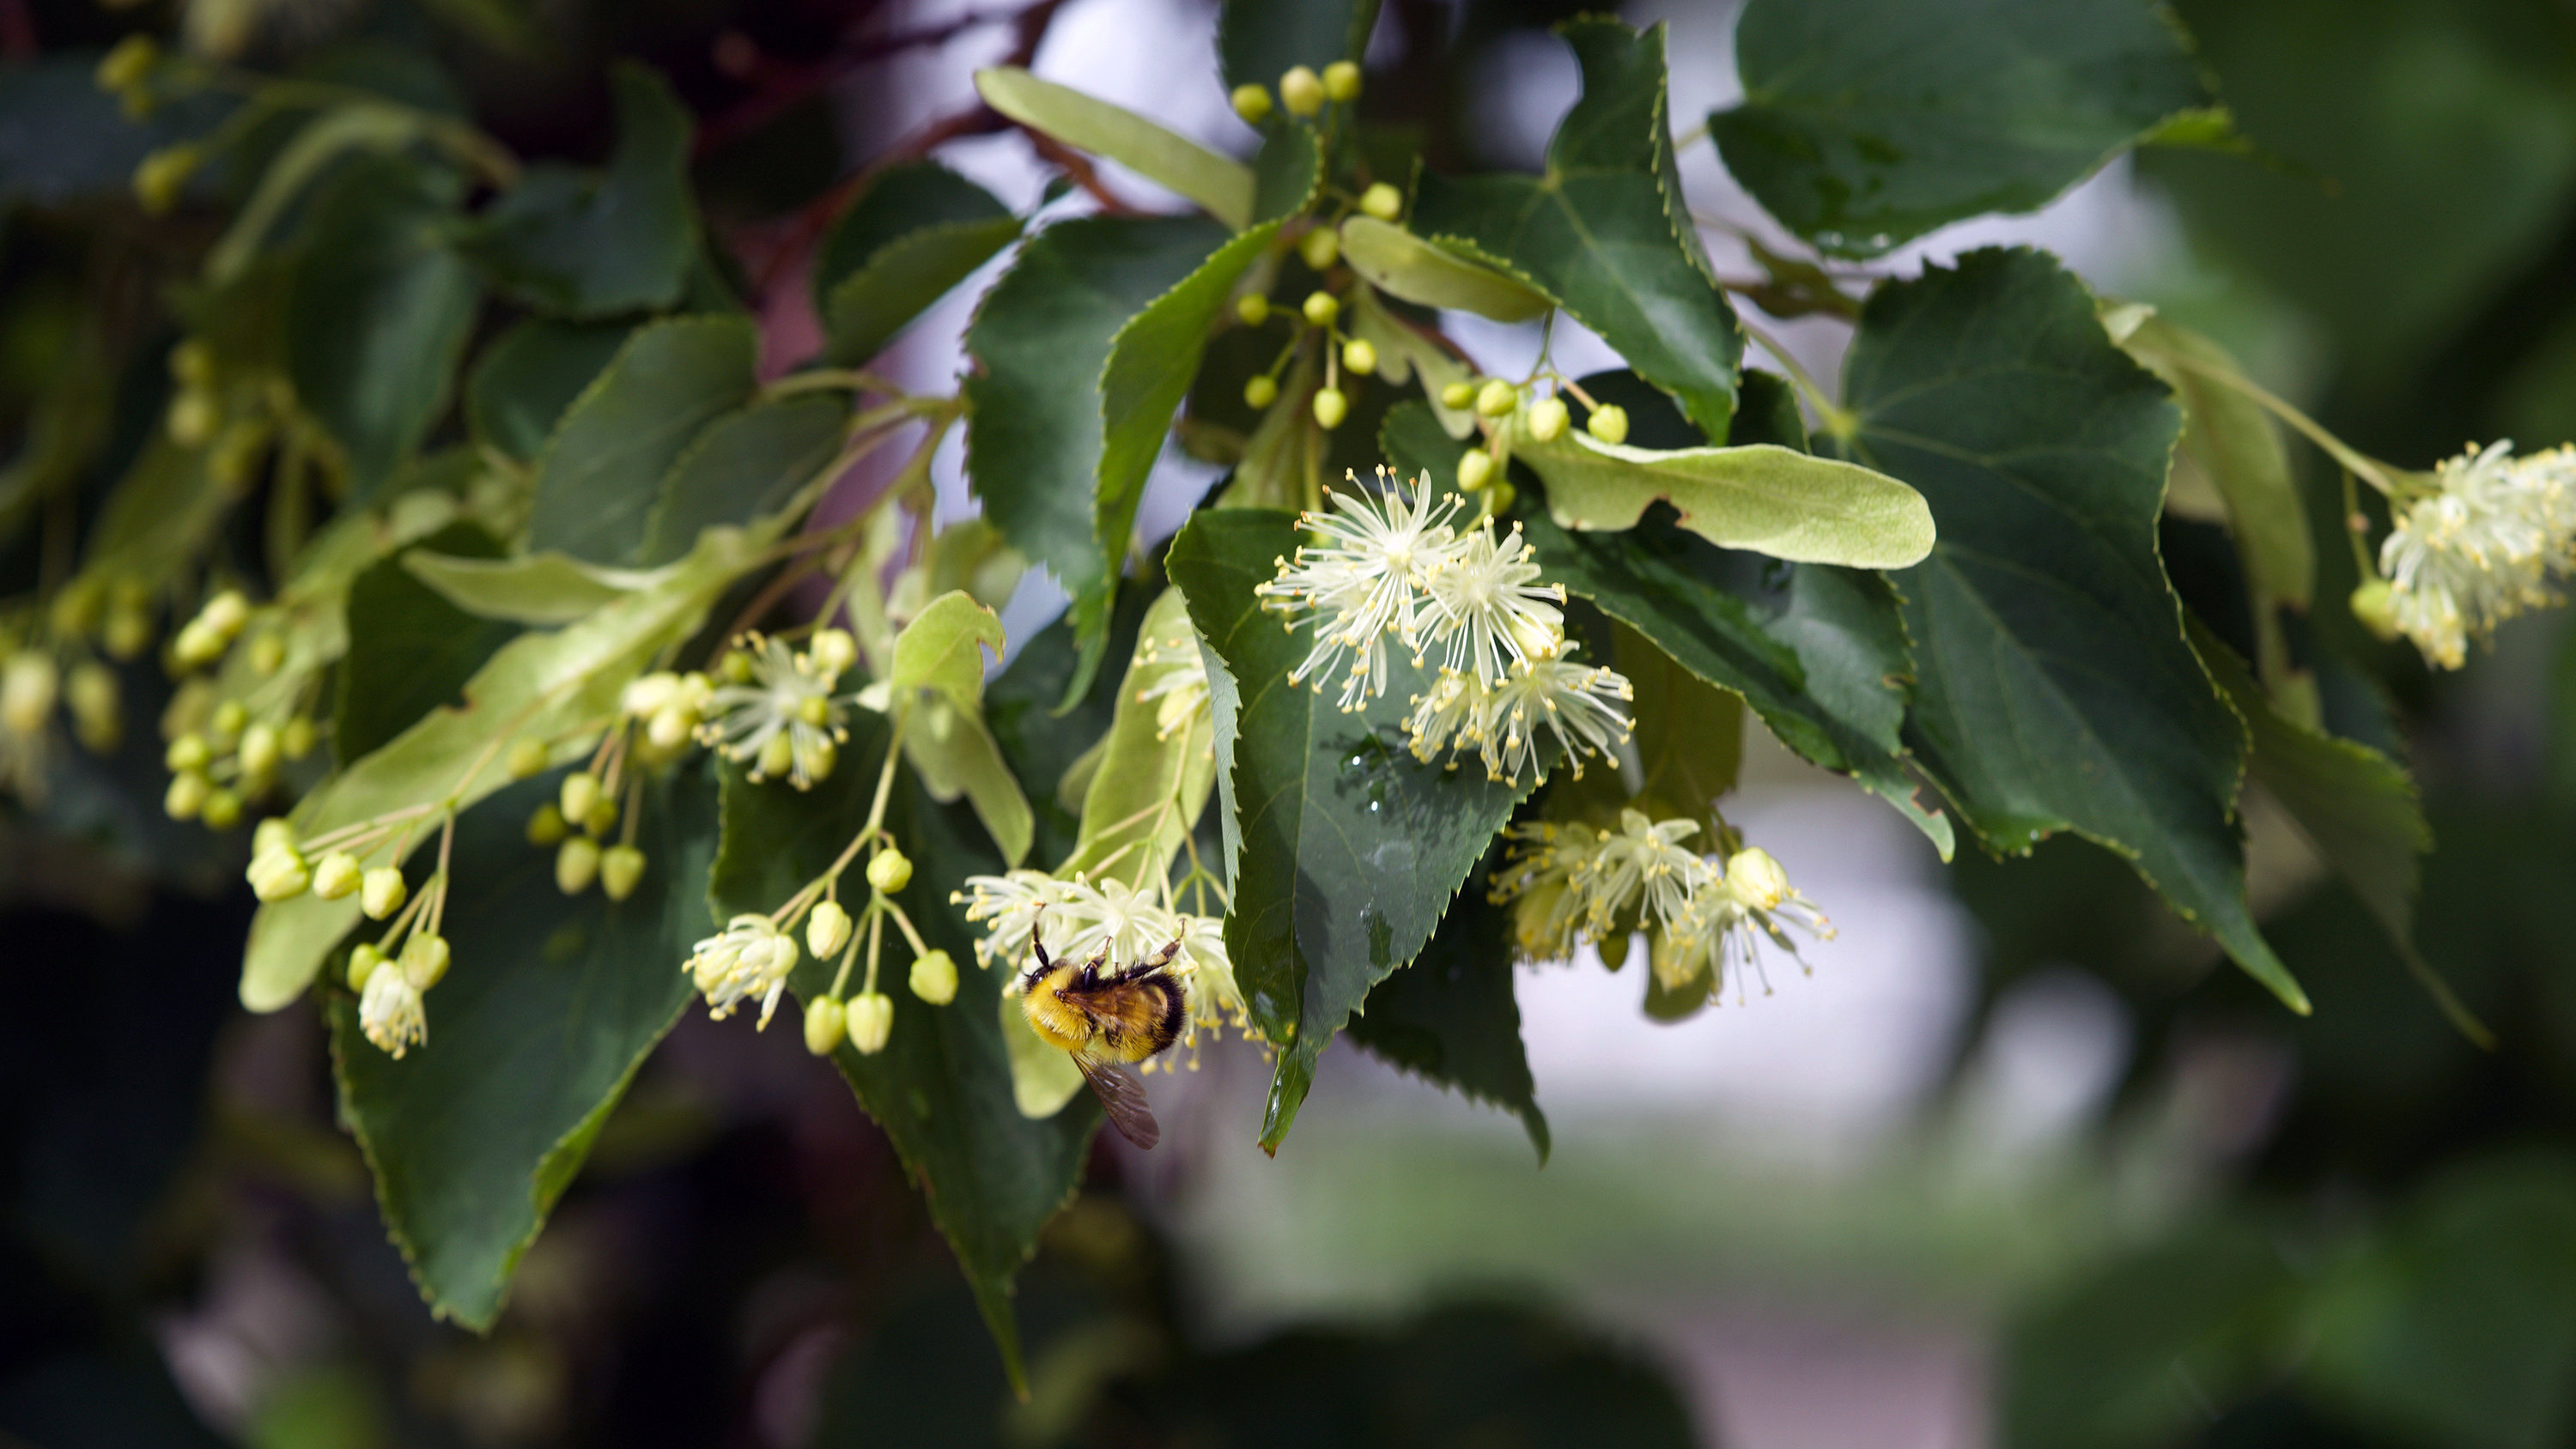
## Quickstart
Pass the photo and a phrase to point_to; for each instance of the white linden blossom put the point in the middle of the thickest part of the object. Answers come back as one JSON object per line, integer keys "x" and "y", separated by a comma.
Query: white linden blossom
{"x": 1577, "y": 703}
{"x": 1080, "y": 919}
{"x": 391, "y": 1013}
{"x": 1366, "y": 580}
{"x": 1643, "y": 860}
{"x": 1179, "y": 687}
{"x": 749, "y": 958}
{"x": 789, "y": 698}
{"x": 1493, "y": 615}
{"x": 2482, "y": 548}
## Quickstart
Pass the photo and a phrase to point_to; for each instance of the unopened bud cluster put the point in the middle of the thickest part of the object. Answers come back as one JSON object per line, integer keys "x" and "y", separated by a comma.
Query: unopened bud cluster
{"x": 1302, "y": 92}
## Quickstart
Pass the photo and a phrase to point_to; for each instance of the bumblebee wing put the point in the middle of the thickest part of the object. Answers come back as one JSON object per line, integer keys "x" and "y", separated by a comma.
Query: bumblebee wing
{"x": 1123, "y": 1098}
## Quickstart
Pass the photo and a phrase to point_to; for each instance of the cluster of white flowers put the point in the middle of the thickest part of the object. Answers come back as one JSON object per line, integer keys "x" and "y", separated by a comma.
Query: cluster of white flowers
{"x": 1082, "y": 918}
{"x": 2488, "y": 542}
{"x": 749, "y": 959}
{"x": 777, "y": 708}
{"x": 1571, "y": 883}
{"x": 1390, "y": 566}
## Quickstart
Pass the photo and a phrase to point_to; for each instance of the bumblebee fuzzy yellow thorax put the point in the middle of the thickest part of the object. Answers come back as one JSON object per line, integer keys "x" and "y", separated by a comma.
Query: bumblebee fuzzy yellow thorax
{"x": 1057, "y": 1022}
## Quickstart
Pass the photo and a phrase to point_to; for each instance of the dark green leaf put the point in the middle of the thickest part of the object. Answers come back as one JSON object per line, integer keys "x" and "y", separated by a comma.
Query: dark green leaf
{"x": 1450, "y": 1017}
{"x": 1035, "y": 442}
{"x": 524, "y": 381}
{"x": 581, "y": 244}
{"x": 380, "y": 312}
{"x": 410, "y": 650}
{"x": 2043, "y": 448}
{"x": 1258, "y": 40}
{"x": 741, "y": 466}
{"x": 916, "y": 232}
{"x": 1346, "y": 849}
{"x": 1285, "y": 172}
{"x": 941, "y": 1089}
{"x": 551, "y": 1005}
{"x": 1605, "y": 231}
{"x": 1866, "y": 123}
{"x": 601, "y": 473}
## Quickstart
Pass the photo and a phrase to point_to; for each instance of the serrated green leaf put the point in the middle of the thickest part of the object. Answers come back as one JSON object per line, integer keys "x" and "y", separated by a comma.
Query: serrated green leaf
{"x": 942, "y": 1088}
{"x": 741, "y": 466}
{"x": 551, "y": 1005}
{"x": 1146, "y": 790}
{"x": 519, "y": 388}
{"x": 1035, "y": 436}
{"x": 1450, "y": 1017}
{"x": 1404, "y": 265}
{"x": 601, "y": 473}
{"x": 582, "y": 244}
{"x": 1221, "y": 184}
{"x": 1827, "y": 667}
{"x": 1287, "y": 172}
{"x": 1258, "y": 40}
{"x": 379, "y": 313}
{"x": 1762, "y": 498}
{"x": 410, "y": 649}
{"x": 2043, "y": 450}
{"x": 540, "y": 685}
{"x": 1345, "y": 849}
{"x": 1866, "y": 123}
{"x": 330, "y": 137}
{"x": 915, "y": 233}
{"x": 1605, "y": 232}
{"x": 937, "y": 680}
{"x": 943, "y": 649}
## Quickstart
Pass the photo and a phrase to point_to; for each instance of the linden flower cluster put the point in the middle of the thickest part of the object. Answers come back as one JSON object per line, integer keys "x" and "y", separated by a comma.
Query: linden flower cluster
{"x": 775, "y": 707}
{"x": 1572, "y": 883}
{"x": 1081, "y": 918}
{"x": 2486, "y": 543}
{"x": 1391, "y": 567}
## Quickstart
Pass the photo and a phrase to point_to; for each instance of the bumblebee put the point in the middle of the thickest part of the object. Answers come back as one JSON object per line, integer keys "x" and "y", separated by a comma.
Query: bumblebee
{"x": 1105, "y": 1018}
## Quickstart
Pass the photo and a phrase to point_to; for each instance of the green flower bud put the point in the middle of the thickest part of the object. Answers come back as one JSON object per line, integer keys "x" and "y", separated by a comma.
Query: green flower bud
{"x": 192, "y": 418}
{"x": 1320, "y": 248}
{"x": 258, "y": 751}
{"x": 29, "y": 684}
{"x": 1321, "y": 308}
{"x": 2374, "y": 604}
{"x": 547, "y": 825}
{"x": 526, "y": 757}
{"x": 1260, "y": 392}
{"x": 223, "y": 809}
{"x": 295, "y": 740}
{"x": 76, "y": 607}
{"x": 157, "y": 181}
{"x": 832, "y": 652}
{"x": 889, "y": 871}
{"x": 820, "y": 757}
{"x": 826, "y": 1024}
{"x": 777, "y": 757}
{"x": 1475, "y": 470}
{"x": 734, "y": 667}
{"x": 1382, "y": 201}
{"x": 621, "y": 869}
{"x": 1301, "y": 91}
{"x": 1331, "y": 407}
{"x": 934, "y": 978}
{"x": 870, "y": 1018}
{"x": 272, "y": 834}
{"x": 601, "y": 819}
{"x": 1548, "y": 419}
{"x": 196, "y": 646}
{"x": 381, "y": 892}
{"x": 129, "y": 64}
{"x": 186, "y": 795}
{"x": 1252, "y": 102}
{"x": 576, "y": 865}
{"x": 192, "y": 363}
{"x": 1253, "y": 308}
{"x": 814, "y": 710}
{"x": 337, "y": 875}
{"x": 1609, "y": 423}
{"x": 92, "y": 694}
{"x": 227, "y": 722}
{"x": 267, "y": 655}
{"x": 1359, "y": 356}
{"x": 579, "y": 793}
{"x": 1756, "y": 879}
{"x": 364, "y": 962}
{"x": 1458, "y": 396}
{"x": 424, "y": 959}
{"x": 1497, "y": 398}
{"x": 279, "y": 875}
{"x": 1342, "y": 81}
{"x": 827, "y": 930}
{"x": 670, "y": 727}
{"x": 1500, "y": 498}
{"x": 127, "y": 633}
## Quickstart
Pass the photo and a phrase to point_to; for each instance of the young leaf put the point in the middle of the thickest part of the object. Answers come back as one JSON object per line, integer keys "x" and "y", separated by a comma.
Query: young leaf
{"x": 2043, "y": 449}
{"x": 410, "y": 650}
{"x": 552, "y": 1004}
{"x": 519, "y": 388}
{"x": 582, "y": 245}
{"x": 1035, "y": 437}
{"x": 1605, "y": 232}
{"x": 1763, "y": 498}
{"x": 600, "y": 475}
{"x": 528, "y": 588}
{"x": 1258, "y": 40}
{"x": 1450, "y": 1017}
{"x": 938, "y": 680}
{"x": 942, "y": 1088}
{"x": 1866, "y": 123}
{"x": 1404, "y": 265}
{"x": 1042, "y": 747}
{"x": 916, "y": 232}
{"x": 1220, "y": 184}
{"x": 379, "y": 313}
{"x": 1345, "y": 849}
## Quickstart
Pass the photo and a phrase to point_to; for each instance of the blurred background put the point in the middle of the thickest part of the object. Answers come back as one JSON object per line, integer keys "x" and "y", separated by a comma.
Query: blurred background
{"x": 2014, "y": 1162}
